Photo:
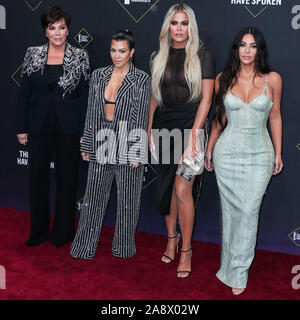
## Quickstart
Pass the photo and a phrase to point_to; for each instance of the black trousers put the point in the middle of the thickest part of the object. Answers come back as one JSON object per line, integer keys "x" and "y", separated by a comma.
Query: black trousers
{"x": 65, "y": 149}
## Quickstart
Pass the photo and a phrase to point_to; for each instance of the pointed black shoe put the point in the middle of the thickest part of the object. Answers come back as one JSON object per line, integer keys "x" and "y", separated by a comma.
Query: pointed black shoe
{"x": 35, "y": 243}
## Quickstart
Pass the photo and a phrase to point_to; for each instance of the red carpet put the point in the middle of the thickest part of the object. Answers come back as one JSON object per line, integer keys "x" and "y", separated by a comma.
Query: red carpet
{"x": 48, "y": 273}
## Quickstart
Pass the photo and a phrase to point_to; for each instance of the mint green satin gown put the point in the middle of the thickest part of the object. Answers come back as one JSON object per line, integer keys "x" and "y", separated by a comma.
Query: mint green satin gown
{"x": 243, "y": 160}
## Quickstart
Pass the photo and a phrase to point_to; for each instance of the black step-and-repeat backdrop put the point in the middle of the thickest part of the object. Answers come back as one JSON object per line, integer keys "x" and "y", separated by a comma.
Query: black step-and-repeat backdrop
{"x": 219, "y": 20}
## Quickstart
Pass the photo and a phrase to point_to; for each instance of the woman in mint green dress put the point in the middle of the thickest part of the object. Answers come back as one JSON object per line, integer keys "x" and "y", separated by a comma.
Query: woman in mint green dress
{"x": 240, "y": 150}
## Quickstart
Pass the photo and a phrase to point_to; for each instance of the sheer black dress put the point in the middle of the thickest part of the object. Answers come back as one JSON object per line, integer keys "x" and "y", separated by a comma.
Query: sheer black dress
{"x": 177, "y": 113}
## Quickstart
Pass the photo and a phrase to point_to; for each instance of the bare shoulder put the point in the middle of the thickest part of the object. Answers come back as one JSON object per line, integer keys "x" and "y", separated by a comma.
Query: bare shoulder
{"x": 275, "y": 79}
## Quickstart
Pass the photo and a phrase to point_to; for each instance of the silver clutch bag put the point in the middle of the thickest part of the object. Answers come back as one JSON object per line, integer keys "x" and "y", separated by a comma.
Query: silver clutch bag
{"x": 191, "y": 167}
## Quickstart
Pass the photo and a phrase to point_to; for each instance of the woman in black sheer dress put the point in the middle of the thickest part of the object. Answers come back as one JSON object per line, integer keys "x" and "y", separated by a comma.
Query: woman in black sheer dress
{"x": 183, "y": 75}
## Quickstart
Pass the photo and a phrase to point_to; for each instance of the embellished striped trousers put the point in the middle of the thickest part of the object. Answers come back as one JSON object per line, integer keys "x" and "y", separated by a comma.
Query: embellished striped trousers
{"x": 129, "y": 186}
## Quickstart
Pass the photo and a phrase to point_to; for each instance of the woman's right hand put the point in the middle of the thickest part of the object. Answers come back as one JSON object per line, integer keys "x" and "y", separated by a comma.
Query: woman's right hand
{"x": 207, "y": 162}
{"x": 152, "y": 145}
{"x": 85, "y": 156}
{"x": 22, "y": 138}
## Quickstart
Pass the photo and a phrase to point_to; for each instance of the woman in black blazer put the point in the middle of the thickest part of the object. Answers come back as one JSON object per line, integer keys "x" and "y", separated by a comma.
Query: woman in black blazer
{"x": 115, "y": 143}
{"x": 51, "y": 112}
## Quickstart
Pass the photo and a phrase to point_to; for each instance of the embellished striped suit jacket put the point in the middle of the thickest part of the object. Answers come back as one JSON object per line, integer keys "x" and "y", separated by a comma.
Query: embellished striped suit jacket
{"x": 69, "y": 98}
{"x": 129, "y": 125}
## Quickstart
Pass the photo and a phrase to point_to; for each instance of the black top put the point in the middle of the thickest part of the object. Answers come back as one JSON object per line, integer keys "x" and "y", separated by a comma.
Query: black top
{"x": 174, "y": 88}
{"x": 52, "y": 74}
{"x": 109, "y": 102}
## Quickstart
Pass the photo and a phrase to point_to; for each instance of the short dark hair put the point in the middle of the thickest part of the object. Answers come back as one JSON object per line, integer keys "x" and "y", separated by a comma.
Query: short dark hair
{"x": 124, "y": 35}
{"x": 53, "y": 14}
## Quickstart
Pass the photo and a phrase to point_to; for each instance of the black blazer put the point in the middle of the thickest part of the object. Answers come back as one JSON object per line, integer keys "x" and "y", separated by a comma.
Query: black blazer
{"x": 69, "y": 98}
{"x": 131, "y": 114}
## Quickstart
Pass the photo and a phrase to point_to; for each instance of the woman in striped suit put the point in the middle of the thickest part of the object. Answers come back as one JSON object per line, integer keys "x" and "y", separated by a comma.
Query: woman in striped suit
{"x": 115, "y": 144}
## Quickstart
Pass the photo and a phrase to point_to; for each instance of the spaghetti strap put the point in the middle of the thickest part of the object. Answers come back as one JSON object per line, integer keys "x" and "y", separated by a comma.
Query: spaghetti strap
{"x": 266, "y": 86}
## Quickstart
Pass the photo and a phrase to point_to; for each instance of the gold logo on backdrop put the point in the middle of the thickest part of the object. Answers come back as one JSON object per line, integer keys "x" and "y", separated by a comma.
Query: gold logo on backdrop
{"x": 257, "y": 13}
{"x": 83, "y": 38}
{"x": 127, "y": 5}
{"x": 150, "y": 175}
{"x": 33, "y": 4}
{"x": 256, "y": 7}
{"x": 16, "y": 76}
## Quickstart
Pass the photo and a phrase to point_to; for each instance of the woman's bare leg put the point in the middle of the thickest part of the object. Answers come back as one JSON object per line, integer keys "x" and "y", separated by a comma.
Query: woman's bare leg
{"x": 186, "y": 212}
{"x": 171, "y": 222}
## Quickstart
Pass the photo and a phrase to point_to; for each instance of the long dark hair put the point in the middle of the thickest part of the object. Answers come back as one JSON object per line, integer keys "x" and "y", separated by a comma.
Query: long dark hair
{"x": 229, "y": 76}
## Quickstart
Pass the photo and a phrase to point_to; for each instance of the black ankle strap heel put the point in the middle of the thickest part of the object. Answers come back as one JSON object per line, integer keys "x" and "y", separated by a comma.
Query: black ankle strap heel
{"x": 169, "y": 258}
{"x": 187, "y": 271}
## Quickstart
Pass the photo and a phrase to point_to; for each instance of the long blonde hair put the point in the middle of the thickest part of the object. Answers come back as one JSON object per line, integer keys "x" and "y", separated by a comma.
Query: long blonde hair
{"x": 192, "y": 65}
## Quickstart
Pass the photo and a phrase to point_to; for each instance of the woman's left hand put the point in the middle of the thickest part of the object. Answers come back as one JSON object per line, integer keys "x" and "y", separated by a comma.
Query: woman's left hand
{"x": 208, "y": 163}
{"x": 278, "y": 165}
{"x": 133, "y": 165}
